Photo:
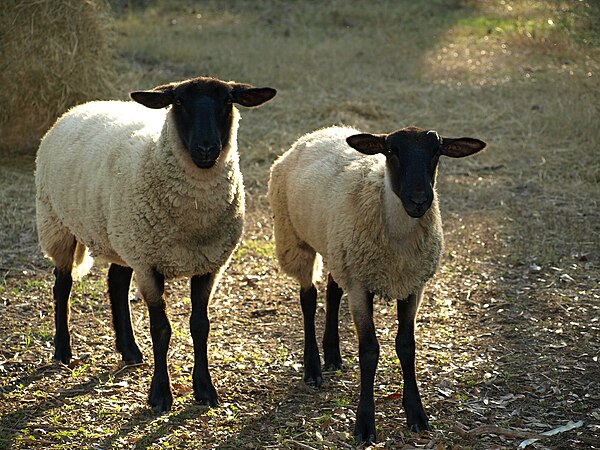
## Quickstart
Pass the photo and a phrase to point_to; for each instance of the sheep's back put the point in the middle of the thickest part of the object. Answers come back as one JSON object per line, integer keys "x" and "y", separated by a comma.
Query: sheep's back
{"x": 81, "y": 160}
{"x": 311, "y": 172}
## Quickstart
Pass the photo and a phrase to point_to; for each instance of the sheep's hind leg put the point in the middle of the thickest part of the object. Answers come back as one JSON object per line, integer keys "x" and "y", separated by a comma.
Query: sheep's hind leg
{"x": 361, "y": 306}
{"x": 119, "y": 279}
{"x": 62, "y": 254}
{"x": 152, "y": 286}
{"x": 405, "y": 349}
{"x": 62, "y": 338}
{"x": 201, "y": 290}
{"x": 331, "y": 338}
{"x": 298, "y": 259}
{"x": 312, "y": 362}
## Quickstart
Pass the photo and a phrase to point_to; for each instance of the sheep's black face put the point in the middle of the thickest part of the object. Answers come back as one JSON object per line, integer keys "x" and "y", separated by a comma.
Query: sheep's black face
{"x": 203, "y": 112}
{"x": 412, "y": 158}
{"x": 204, "y": 121}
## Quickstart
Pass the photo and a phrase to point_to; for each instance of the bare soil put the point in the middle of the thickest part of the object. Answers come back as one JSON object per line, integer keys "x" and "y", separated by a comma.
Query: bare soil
{"x": 513, "y": 348}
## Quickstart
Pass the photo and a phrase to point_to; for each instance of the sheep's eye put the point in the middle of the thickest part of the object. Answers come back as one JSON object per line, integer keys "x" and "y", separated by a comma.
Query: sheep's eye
{"x": 178, "y": 102}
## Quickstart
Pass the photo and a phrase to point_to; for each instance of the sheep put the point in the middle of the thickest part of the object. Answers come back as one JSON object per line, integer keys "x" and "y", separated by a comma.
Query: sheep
{"x": 375, "y": 221}
{"x": 153, "y": 191}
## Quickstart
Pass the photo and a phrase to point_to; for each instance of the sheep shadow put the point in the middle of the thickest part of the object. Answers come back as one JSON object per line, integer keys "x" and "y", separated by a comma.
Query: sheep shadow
{"x": 12, "y": 423}
{"x": 251, "y": 434}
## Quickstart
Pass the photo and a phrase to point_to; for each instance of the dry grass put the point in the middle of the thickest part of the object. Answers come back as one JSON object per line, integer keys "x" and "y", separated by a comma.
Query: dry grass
{"x": 55, "y": 54}
{"x": 509, "y": 333}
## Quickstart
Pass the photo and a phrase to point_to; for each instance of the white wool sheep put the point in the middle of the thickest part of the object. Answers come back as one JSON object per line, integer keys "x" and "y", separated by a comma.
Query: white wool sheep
{"x": 375, "y": 221}
{"x": 151, "y": 190}
{"x": 129, "y": 200}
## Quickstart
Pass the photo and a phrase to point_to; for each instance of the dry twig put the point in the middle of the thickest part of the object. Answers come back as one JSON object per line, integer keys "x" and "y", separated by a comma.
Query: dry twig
{"x": 493, "y": 429}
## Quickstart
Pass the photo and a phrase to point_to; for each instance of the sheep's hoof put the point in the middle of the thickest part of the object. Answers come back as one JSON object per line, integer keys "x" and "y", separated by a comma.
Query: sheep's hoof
{"x": 132, "y": 356}
{"x": 333, "y": 364}
{"x": 420, "y": 427}
{"x": 160, "y": 398}
{"x": 364, "y": 429}
{"x": 358, "y": 438}
{"x": 416, "y": 419}
{"x": 63, "y": 354}
{"x": 206, "y": 395}
{"x": 313, "y": 378}
{"x": 312, "y": 371}
{"x": 210, "y": 402}
{"x": 364, "y": 433}
{"x": 133, "y": 361}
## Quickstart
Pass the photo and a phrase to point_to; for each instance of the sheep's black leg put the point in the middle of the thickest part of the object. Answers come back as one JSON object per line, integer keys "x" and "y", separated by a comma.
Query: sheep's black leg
{"x": 119, "y": 279}
{"x": 201, "y": 288}
{"x": 331, "y": 337}
{"x": 312, "y": 362}
{"x": 405, "y": 349}
{"x": 361, "y": 306}
{"x": 62, "y": 338}
{"x": 160, "y": 398}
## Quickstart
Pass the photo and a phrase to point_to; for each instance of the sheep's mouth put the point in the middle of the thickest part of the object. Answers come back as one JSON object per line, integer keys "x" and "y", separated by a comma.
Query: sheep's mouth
{"x": 205, "y": 163}
{"x": 416, "y": 211}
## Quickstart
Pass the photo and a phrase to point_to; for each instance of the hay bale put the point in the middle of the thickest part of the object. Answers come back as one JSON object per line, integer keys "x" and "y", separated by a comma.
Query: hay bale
{"x": 55, "y": 54}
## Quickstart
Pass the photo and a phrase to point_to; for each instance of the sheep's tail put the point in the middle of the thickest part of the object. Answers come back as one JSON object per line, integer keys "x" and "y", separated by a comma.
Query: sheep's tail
{"x": 82, "y": 262}
{"x": 317, "y": 270}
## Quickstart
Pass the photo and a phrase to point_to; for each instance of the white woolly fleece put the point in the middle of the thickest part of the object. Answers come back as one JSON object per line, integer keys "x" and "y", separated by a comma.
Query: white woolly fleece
{"x": 114, "y": 177}
{"x": 328, "y": 198}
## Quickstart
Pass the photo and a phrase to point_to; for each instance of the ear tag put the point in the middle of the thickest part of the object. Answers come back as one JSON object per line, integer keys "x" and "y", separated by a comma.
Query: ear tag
{"x": 436, "y": 135}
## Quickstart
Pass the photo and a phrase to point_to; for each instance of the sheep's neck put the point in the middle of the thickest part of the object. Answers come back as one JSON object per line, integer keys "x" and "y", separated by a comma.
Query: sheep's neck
{"x": 397, "y": 223}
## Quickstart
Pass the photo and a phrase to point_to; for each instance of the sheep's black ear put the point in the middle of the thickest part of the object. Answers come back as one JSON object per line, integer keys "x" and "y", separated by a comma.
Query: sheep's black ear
{"x": 153, "y": 99}
{"x": 249, "y": 96}
{"x": 369, "y": 144}
{"x": 461, "y": 147}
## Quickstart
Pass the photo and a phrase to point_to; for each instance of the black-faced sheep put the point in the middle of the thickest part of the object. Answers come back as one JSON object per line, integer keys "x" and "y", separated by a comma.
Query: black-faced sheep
{"x": 150, "y": 190}
{"x": 376, "y": 222}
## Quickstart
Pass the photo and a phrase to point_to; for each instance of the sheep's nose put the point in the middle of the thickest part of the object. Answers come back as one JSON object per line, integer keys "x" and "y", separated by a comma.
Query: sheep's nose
{"x": 207, "y": 150}
{"x": 205, "y": 156}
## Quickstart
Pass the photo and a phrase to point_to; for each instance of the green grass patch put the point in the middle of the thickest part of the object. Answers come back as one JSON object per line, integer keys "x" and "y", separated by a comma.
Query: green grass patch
{"x": 257, "y": 248}
{"x": 483, "y": 25}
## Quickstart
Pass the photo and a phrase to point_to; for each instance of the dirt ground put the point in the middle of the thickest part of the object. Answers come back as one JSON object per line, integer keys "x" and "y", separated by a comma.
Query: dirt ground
{"x": 508, "y": 335}
{"x": 503, "y": 351}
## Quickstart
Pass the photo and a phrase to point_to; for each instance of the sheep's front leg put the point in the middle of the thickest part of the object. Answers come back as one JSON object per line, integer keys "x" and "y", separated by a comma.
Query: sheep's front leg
{"x": 152, "y": 286}
{"x": 331, "y": 337}
{"x": 405, "y": 349}
{"x": 312, "y": 362}
{"x": 201, "y": 290}
{"x": 62, "y": 338}
{"x": 361, "y": 307}
{"x": 119, "y": 279}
